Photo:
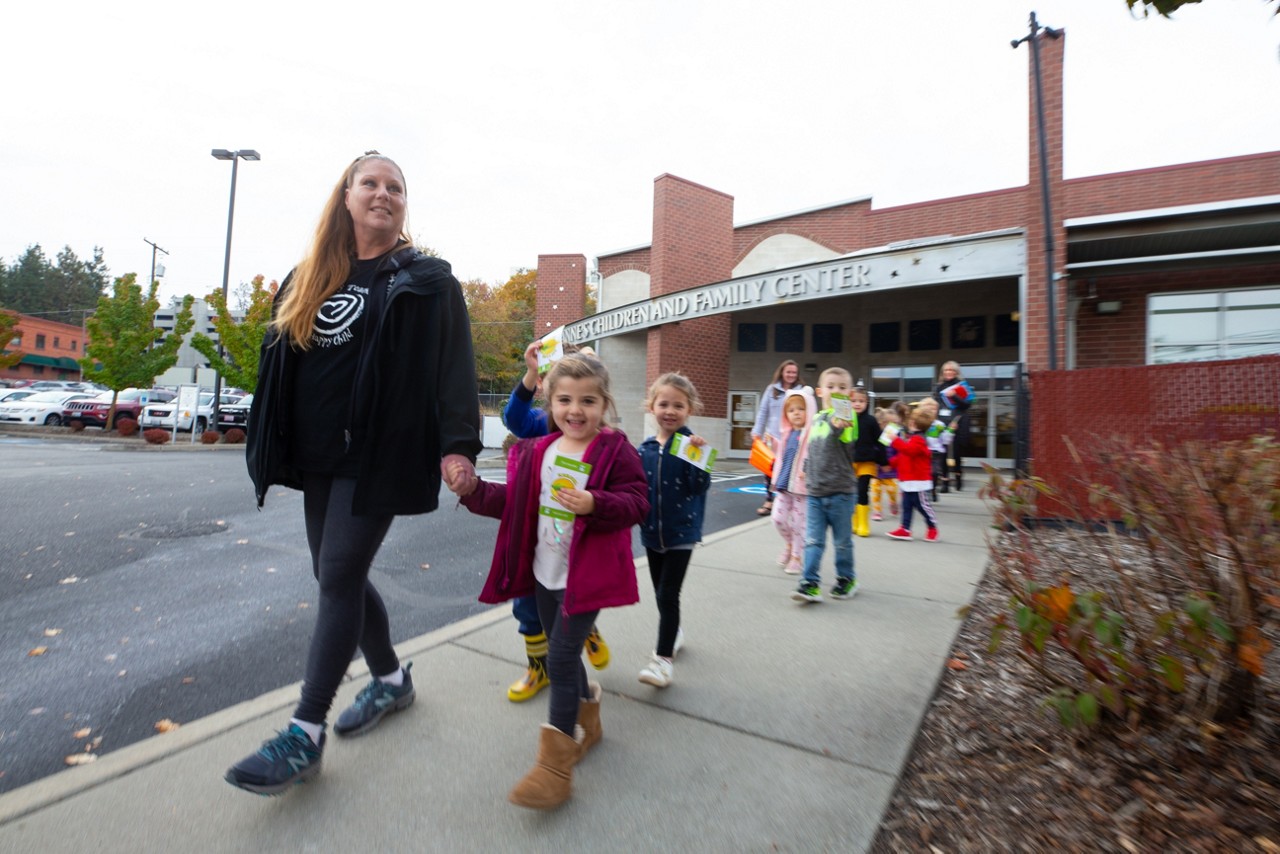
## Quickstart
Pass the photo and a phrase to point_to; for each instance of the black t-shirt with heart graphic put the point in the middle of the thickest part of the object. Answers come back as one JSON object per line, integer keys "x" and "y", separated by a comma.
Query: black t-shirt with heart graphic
{"x": 325, "y": 375}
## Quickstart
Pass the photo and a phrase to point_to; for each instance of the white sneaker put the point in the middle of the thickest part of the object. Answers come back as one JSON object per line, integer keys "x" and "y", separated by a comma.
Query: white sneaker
{"x": 657, "y": 672}
{"x": 675, "y": 647}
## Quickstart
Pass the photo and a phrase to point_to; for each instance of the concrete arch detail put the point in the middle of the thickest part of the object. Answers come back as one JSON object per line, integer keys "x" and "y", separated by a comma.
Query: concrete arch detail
{"x": 779, "y": 251}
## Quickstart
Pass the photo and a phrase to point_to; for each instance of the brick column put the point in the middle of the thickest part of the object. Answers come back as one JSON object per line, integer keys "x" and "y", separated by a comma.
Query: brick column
{"x": 561, "y": 291}
{"x": 692, "y": 246}
{"x": 1035, "y": 314}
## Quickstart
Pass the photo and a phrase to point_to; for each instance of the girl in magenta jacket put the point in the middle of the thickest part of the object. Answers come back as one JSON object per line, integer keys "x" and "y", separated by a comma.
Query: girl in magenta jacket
{"x": 566, "y": 514}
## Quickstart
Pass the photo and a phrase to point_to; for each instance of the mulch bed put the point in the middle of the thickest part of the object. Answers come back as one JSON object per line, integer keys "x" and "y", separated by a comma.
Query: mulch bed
{"x": 993, "y": 769}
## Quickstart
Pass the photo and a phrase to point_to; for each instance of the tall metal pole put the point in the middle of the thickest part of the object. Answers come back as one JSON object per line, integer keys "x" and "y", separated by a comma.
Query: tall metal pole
{"x": 226, "y": 274}
{"x": 1050, "y": 290}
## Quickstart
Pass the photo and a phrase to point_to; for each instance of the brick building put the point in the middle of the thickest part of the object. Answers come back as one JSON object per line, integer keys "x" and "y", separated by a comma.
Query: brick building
{"x": 50, "y": 349}
{"x": 1171, "y": 264}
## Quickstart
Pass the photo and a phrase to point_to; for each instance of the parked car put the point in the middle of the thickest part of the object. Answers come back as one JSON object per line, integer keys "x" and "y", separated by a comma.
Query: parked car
{"x": 15, "y": 394}
{"x": 235, "y": 415}
{"x": 161, "y": 414}
{"x": 93, "y": 411}
{"x": 43, "y": 407}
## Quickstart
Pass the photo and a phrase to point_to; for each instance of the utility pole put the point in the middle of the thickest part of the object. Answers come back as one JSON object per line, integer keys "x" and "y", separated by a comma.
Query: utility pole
{"x": 1033, "y": 38}
{"x": 154, "y": 249}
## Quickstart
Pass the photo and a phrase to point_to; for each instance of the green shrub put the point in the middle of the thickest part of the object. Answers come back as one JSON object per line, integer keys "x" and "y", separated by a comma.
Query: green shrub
{"x": 1176, "y": 622}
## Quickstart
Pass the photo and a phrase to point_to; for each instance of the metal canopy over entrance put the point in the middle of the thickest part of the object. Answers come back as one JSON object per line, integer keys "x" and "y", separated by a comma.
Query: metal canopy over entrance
{"x": 1238, "y": 231}
{"x": 935, "y": 261}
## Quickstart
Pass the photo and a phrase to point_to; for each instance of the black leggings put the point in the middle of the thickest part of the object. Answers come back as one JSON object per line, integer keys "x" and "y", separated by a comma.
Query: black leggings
{"x": 667, "y": 570}
{"x": 864, "y": 489}
{"x": 566, "y": 633}
{"x": 351, "y": 613}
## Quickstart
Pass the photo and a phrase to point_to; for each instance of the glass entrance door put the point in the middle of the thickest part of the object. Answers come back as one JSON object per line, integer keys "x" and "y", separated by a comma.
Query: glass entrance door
{"x": 742, "y": 417}
{"x": 991, "y": 430}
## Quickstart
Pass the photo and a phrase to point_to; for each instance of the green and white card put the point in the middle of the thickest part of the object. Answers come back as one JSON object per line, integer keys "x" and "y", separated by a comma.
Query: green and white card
{"x": 703, "y": 457}
{"x": 566, "y": 473}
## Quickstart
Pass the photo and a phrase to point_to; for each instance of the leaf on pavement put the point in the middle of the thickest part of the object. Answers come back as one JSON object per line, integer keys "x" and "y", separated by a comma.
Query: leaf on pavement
{"x": 957, "y": 664}
{"x": 38, "y": 710}
{"x": 39, "y": 650}
{"x": 69, "y": 534}
{"x": 242, "y": 542}
{"x": 187, "y": 680}
{"x": 166, "y": 725}
{"x": 426, "y": 566}
{"x": 304, "y": 604}
{"x": 82, "y": 733}
{"x": 80, "y": 758}
{"x": 52, "y": 633}
{"x": 70, "y": 579}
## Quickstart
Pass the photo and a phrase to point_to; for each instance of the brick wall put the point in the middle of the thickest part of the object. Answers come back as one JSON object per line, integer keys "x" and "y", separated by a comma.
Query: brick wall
{"x": 60, "y": 340}
{"x": 561, "y": 291}
{"x": 1035, "y": 311}
{"x": 1121, "y": 339}
{"x": 1170, "y": 186}
{"x": 692, "y": 246}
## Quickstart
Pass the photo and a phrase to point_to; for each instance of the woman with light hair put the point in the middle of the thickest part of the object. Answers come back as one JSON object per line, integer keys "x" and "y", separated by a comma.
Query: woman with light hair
{"x": 366, "y": 398}
{"x": 954, "y": 396}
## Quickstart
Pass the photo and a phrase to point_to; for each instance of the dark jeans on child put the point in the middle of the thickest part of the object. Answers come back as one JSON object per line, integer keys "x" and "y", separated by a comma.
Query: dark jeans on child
{"x": 566, "y": 633}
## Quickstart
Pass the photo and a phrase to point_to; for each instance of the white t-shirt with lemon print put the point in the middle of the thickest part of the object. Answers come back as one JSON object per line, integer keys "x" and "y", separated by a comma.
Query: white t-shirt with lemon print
{"x": 555, "y": 523}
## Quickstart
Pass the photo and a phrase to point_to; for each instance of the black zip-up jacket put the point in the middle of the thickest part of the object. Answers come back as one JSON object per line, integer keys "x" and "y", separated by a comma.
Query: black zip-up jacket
{"x": 413, "y": 402}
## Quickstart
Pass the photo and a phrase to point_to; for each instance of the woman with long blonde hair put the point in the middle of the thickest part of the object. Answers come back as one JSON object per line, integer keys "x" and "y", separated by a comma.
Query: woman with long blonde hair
{"x": 366, "y": 397}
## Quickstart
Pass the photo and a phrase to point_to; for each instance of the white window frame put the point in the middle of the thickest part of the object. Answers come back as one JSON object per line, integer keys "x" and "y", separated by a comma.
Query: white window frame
{"x": 1218, "y": 337}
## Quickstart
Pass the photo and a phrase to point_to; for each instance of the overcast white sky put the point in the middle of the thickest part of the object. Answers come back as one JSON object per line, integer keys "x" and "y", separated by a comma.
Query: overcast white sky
{"x": 538, "y": 127}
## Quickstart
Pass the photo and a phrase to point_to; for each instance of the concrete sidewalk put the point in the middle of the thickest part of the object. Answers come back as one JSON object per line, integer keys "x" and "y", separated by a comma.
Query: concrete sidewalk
{"x": 785, "y": 729}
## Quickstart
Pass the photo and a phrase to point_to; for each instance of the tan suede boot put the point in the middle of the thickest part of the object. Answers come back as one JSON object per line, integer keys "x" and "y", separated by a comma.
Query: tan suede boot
{"x": 550, "y": 782}
{"x": 589, "y": 719}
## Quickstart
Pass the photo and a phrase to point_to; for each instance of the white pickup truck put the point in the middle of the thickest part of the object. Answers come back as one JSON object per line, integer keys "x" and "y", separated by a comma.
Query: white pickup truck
{"x": 161, "y": 414}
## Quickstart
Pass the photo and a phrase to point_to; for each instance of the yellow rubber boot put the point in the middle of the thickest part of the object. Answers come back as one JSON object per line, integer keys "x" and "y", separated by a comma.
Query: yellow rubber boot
{"x": 597, "y": 650}
{"x": 535, "y": 677}
{"x": 862, "y": 520}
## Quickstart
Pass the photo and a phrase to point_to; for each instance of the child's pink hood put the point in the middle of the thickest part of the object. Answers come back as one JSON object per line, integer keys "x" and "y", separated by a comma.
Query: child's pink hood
{"x": 780, "y": 444}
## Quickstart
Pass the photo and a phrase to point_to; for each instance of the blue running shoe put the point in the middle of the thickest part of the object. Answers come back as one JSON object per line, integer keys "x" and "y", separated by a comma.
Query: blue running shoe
{"x": 291, "y": 757}
{"x": 375, "y": 701}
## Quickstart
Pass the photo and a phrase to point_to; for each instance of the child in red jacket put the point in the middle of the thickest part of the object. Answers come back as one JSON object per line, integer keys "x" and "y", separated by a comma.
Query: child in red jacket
{"x": 566, "y": 511}
{"x": 915, "y": 474}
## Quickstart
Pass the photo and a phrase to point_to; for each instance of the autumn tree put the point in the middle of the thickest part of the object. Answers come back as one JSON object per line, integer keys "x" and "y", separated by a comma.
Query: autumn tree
{"x": 501, "y": 327}
{"x": 125, "y": 348}
{"x": 9, "y": 358}
{"x": 241, "y": 340}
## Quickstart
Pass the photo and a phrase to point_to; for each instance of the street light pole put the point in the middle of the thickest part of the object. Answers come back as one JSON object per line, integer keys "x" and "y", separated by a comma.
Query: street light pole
{"x": 235, "y": 157}
{"x": 154, "y": 249}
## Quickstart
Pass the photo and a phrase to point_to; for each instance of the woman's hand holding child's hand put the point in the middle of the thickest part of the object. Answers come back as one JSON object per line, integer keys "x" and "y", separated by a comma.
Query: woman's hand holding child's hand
{"x": 459, "y": 475}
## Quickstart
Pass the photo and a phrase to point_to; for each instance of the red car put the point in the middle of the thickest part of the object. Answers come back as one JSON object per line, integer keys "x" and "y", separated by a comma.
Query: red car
{"x": 92, "y": 411}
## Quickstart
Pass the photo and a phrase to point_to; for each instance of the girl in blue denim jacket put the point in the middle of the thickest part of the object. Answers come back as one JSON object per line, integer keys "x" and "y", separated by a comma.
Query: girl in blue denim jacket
{"x": 677, "y": 504}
